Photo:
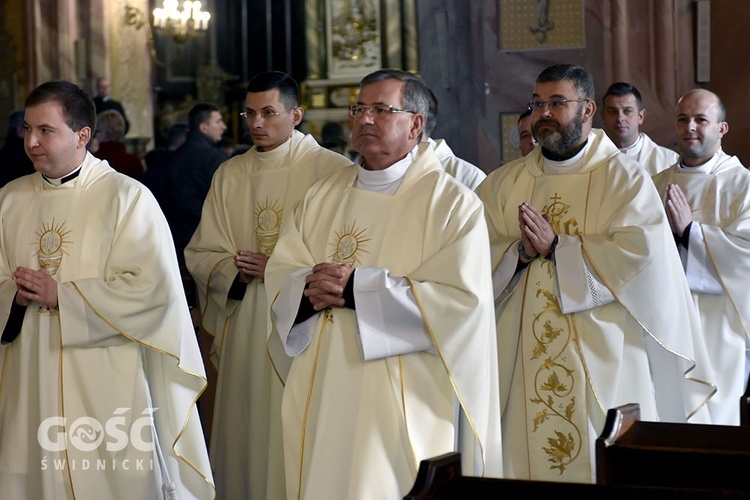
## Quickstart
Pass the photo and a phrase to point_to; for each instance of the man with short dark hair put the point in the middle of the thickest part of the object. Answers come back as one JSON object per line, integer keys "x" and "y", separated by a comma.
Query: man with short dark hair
{"x": 250, "y": 196}
{"x": 14, "y": 162}
{"x": 380, "y": 292}
{"x": 526, "y": 140}
{"x": 585, "y": 268}
{"x": 622, "y": 116}
{"x": 707, "y": 200}
{"x": 190, "y": 169}
{"x": 99, "y": 360}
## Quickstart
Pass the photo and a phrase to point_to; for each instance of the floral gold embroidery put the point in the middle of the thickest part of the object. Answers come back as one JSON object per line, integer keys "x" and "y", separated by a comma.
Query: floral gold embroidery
{"x": 554, "y": 383}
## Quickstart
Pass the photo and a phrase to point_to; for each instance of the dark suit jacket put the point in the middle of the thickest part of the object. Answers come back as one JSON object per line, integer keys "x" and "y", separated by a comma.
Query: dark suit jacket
{"x": 104, "y": 105}
{"x": 189, "y": 171}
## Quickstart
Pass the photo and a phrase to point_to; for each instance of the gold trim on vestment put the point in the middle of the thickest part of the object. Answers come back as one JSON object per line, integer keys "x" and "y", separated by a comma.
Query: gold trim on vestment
{"x": 519, "y": 348}
{"x": 690, "y": 361}
{"x": 5, "y": 363}
{"x": 448, "y": 372}
{"x": 307, "y": 409}
{"x": 721, "y": 280}
{"x": 192, "y": 406}
{"x": 208, "y": 284}
{"x": 268, "y": 343}
{"x": 223, "y": 338}
{"x": 589, "y": 379}
{"x": 62, "y": 410}
{"x": 403, "y": 408}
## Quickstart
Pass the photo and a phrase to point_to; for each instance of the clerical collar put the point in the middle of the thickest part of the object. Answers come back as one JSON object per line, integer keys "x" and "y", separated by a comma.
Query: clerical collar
{"x": 567, "y": 166}
{"x": 551, "y": 155}
{"x": 62, "y": 180}
{"x": 704, "y": 168}
{"x": 388, "y": 180}
{"x": 634, "y": 149}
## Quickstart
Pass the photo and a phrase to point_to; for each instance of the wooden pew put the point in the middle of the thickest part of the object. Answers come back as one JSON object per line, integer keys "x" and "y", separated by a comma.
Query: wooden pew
{"x": 440, "y": 478}
{"x": 631, "y": 451}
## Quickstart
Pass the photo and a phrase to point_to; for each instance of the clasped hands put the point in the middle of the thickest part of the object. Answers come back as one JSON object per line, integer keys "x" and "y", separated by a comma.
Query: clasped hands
{"x": 537, "y": 234}
{"x": 251, "y": 265}
{"x": 326, "y": 283}
{"x": 35, "y": 286}
{"x": 679, "y": 213}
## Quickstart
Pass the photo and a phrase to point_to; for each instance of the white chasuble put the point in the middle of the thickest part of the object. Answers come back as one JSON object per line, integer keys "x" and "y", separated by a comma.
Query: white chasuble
{"x": 554, "y": 388}
{"x": 720, "y": 247}
{"x": 249, "y": 197}
{"x": 93, "y": 390}
{"x": 358, "y": 429}
{"x": 560, "y": 373}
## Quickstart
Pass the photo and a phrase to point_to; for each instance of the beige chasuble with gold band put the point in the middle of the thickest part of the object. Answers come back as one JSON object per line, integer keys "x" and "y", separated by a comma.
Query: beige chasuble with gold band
{"x": 356, "y": 428}
{"x": 720, "y": 244}
{"x": 118, "y": 355}
{"x": 249, "y": 196}
{"x": 560, "y": 373}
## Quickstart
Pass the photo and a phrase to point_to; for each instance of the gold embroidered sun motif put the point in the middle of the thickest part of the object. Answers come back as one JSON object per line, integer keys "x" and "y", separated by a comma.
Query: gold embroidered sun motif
{"x": 349, "y": 244}
{"x": 52, "y": 240}
{"x": 267, "y": 224}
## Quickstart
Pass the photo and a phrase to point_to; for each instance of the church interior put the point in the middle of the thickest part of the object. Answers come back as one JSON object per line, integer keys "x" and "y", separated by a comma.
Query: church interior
{"x": 479, "y": 57}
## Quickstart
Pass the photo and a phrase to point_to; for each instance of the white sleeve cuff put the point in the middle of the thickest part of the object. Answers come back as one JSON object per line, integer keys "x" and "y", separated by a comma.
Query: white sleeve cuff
{"x": 699, "y": 269}
{"x": 388, "y": 318}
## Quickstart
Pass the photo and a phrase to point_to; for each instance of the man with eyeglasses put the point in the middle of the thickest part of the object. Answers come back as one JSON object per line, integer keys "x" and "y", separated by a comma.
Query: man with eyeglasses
{"x": 249, "y": 197}
{"x": 708, "y": 207}
{"x": 622, "y": 117}
{"x": 585, "y": 268}
{"x": 380, "y": 290}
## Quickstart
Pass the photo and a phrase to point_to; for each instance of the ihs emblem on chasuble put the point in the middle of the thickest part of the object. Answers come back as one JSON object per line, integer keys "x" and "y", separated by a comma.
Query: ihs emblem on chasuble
{"x": 349, "y": 245}
{"x": 267, "y": 224}
{"x": 51, "y": 241}
{"x": 556, "y": 211}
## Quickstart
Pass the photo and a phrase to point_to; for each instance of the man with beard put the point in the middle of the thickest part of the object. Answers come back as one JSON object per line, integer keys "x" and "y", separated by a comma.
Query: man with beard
{"x": 708, "y": 207}
{"x": 584, "y": 267}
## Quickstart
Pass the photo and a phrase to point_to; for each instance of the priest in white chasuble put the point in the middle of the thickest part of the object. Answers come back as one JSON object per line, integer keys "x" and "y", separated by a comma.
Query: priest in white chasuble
{"x": 707, "y": 199}
{"x": 380, "y": 291}
{"x": 592, "y": 308}
{"x": 249, "y": 197}
{"x": 99, "y": 360}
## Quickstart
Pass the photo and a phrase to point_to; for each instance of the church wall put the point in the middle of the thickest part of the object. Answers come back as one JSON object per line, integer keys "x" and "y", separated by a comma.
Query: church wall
{"x": 730, "y": 72}
{"x": 483, "y": 86}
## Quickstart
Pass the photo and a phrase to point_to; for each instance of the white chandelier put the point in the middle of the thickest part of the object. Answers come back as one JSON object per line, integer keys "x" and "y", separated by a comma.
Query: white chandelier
{"x": 181, "y": 24}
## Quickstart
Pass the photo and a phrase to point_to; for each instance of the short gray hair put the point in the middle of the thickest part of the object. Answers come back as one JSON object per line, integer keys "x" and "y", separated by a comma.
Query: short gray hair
{"x": 416, "y": 95}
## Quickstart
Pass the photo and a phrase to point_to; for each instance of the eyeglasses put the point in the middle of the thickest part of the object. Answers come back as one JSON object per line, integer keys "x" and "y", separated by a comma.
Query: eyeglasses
{"x": 251, "y": 115}
{"x": 553, "y": 104}
{"x": 377, "y": 110}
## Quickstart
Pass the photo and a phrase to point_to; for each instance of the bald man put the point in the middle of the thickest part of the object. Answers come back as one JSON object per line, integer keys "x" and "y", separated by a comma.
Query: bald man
{"x": 708, "y": 206}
